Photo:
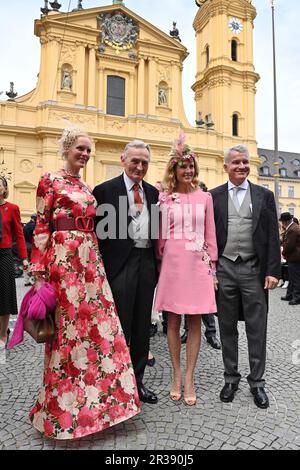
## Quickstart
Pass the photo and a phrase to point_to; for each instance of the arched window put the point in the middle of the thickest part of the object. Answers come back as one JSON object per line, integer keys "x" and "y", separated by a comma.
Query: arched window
{"x": 234, "y": 47}
{"x": 280, "y": 159}
{"x": 296, "y": 162}
{"x": 235, "y": 125}
{"x": 265, "y": 171}
{"x": 263, "y": 158}
{"x": 115, "y": 96}
{"x": 207, "y": 55}
{"x": 291, "y": 191}
{"x": 282, "y": 172}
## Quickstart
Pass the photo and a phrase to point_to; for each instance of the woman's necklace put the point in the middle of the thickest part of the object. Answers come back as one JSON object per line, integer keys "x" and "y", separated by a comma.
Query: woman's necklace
{"x": 68, "y": 173}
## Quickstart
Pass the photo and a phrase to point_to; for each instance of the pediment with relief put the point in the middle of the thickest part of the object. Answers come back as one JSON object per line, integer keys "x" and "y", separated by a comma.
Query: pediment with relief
{"x": 88, "y": 20}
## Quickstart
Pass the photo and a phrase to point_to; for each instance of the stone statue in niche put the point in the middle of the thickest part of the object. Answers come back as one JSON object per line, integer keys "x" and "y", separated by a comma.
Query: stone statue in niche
{"x": 66, "y": 83}
{"x": 162, "y": 97}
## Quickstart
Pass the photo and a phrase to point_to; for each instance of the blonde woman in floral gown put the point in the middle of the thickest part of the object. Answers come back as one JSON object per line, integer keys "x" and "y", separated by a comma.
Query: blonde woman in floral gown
{"x": 89, "y": 383}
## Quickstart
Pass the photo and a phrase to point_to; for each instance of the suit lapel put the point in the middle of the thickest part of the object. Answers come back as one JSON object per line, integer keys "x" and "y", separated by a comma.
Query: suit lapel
{"x": 149, "y": 196}
{"x": 257, "y": 199}
{"x": 223, "y": 205}
{"x": 120, "y": 190}
{"x": 153, "y": 210}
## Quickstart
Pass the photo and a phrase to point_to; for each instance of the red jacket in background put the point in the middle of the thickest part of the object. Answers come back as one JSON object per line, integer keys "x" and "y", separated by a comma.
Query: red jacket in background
{"x": 12, "y": 226}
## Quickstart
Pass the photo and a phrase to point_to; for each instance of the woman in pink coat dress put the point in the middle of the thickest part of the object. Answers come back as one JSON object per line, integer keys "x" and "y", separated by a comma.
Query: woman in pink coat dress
{"x": 187, "y": 250}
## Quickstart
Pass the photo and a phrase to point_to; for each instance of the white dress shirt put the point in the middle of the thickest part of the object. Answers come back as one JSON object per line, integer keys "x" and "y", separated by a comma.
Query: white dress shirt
{"x": 129, "y": 187}
{"x": 140, "y": 220}
{"x": 242, "y": 190}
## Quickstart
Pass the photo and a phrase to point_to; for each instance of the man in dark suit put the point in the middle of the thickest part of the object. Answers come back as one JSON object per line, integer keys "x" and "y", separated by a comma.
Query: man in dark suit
{"x": 127, "y": 227}
{"x": 248, "y": 266}
{"x": 291, "y": 252}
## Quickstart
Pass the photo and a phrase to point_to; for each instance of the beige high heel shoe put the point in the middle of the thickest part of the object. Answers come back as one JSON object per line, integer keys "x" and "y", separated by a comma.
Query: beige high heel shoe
{"x": 175, "y": 392}
{"x": 190, "y": 400}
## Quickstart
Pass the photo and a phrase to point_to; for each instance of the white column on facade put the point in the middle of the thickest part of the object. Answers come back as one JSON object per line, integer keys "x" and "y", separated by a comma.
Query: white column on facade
{"x": 101, "y": 91}
{"x": 131, "y": 97}
{"x": 176, "y": 89}
{"x": 152, "y": 72}
{"x": 80, "y": 75}
{"x": 141, "y": 84}
{"x": 52, "y": 77}
{"x": 92, "y": 78}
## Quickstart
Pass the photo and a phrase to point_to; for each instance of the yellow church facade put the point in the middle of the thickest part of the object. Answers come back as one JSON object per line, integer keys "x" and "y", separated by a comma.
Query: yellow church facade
{"x": 119, "y": 77}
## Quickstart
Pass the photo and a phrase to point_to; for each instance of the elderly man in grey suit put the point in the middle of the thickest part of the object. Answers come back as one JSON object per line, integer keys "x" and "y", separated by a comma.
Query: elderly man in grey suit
{"x": 248, "y": 266}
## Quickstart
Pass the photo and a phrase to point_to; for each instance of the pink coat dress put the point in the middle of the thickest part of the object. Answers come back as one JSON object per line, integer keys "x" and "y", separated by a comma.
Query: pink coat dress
{"x": 187, "y": 249}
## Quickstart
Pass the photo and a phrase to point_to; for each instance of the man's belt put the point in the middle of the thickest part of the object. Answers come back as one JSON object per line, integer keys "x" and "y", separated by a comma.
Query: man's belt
{"x": 84, "y": 224}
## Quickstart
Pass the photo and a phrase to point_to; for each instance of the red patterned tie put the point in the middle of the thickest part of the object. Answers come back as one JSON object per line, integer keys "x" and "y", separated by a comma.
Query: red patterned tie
{"x": 137, "y": 197}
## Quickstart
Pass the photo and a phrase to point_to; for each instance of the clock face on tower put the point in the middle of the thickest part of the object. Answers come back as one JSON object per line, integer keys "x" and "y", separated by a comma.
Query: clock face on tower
{"x": 235, "y": 25}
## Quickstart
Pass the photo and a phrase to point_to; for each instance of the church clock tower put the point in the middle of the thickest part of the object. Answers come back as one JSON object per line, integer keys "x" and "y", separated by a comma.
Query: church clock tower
{"x": 226, "y": 78}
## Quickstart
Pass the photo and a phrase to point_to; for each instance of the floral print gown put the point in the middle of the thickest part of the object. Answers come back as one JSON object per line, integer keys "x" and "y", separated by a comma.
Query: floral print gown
{"x": 89, "y": 383}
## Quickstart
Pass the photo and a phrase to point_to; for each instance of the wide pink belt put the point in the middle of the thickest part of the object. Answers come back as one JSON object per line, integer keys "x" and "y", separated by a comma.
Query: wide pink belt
{"x": 84, "y": 224}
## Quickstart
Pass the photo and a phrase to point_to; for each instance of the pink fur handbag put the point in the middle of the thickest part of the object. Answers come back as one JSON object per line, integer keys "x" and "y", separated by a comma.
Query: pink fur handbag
{"x": 36, "y": 316}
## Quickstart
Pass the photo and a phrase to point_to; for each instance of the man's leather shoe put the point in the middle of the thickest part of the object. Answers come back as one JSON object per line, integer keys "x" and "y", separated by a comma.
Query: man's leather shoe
{"x": 260, "y": 397}
{"x": 228, "y": 392}
{"x": 151, "y": 362}
{"x": 146, "y": 395}
{"x": 7, "y": 338}
{"x": 294, "y": 302}
{"x": 184, "y": 336}
{"x": 214, "y": 342}
{"x": 287, "y": 297}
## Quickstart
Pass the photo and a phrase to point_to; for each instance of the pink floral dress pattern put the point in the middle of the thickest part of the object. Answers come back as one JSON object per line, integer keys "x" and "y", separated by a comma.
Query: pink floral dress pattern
{"x": 89, "y": 383}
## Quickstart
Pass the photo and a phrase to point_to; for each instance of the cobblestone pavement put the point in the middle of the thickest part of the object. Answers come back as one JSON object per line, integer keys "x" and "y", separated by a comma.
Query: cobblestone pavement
{"x": 211, "y": 424}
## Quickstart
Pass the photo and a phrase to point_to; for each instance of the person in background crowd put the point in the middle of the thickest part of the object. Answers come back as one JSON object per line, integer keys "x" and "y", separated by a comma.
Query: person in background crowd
{"x": 248, "y": 266}
{"x": 291, "y": 252}
{"x": 284, "y": 277}
{"x": 28, "y": 230}
{"x": 89, "y": 383}
{"x": 10, "y": 226}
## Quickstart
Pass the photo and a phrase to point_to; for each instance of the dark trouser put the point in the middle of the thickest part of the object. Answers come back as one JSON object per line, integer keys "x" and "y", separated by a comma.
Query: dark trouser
{"x": 133, "y": 290}
{"x": 293, "y": 289}
{"x": 210, "y": 325}
{"x": 164, "y": 319}
{"x": 284, "y": 272}
{"x": 208, "y": 320}
{"x": 240, "y": 285}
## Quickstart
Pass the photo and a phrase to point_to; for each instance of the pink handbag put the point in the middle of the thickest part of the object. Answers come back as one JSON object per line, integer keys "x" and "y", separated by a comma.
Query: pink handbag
{"x": 39, "y": 322}
{"x": 36, "y": 316}
{"x": 42, "y": 331}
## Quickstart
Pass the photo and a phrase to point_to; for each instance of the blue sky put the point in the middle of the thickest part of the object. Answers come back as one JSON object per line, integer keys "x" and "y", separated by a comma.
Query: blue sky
{"x": 20, "y": 55}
